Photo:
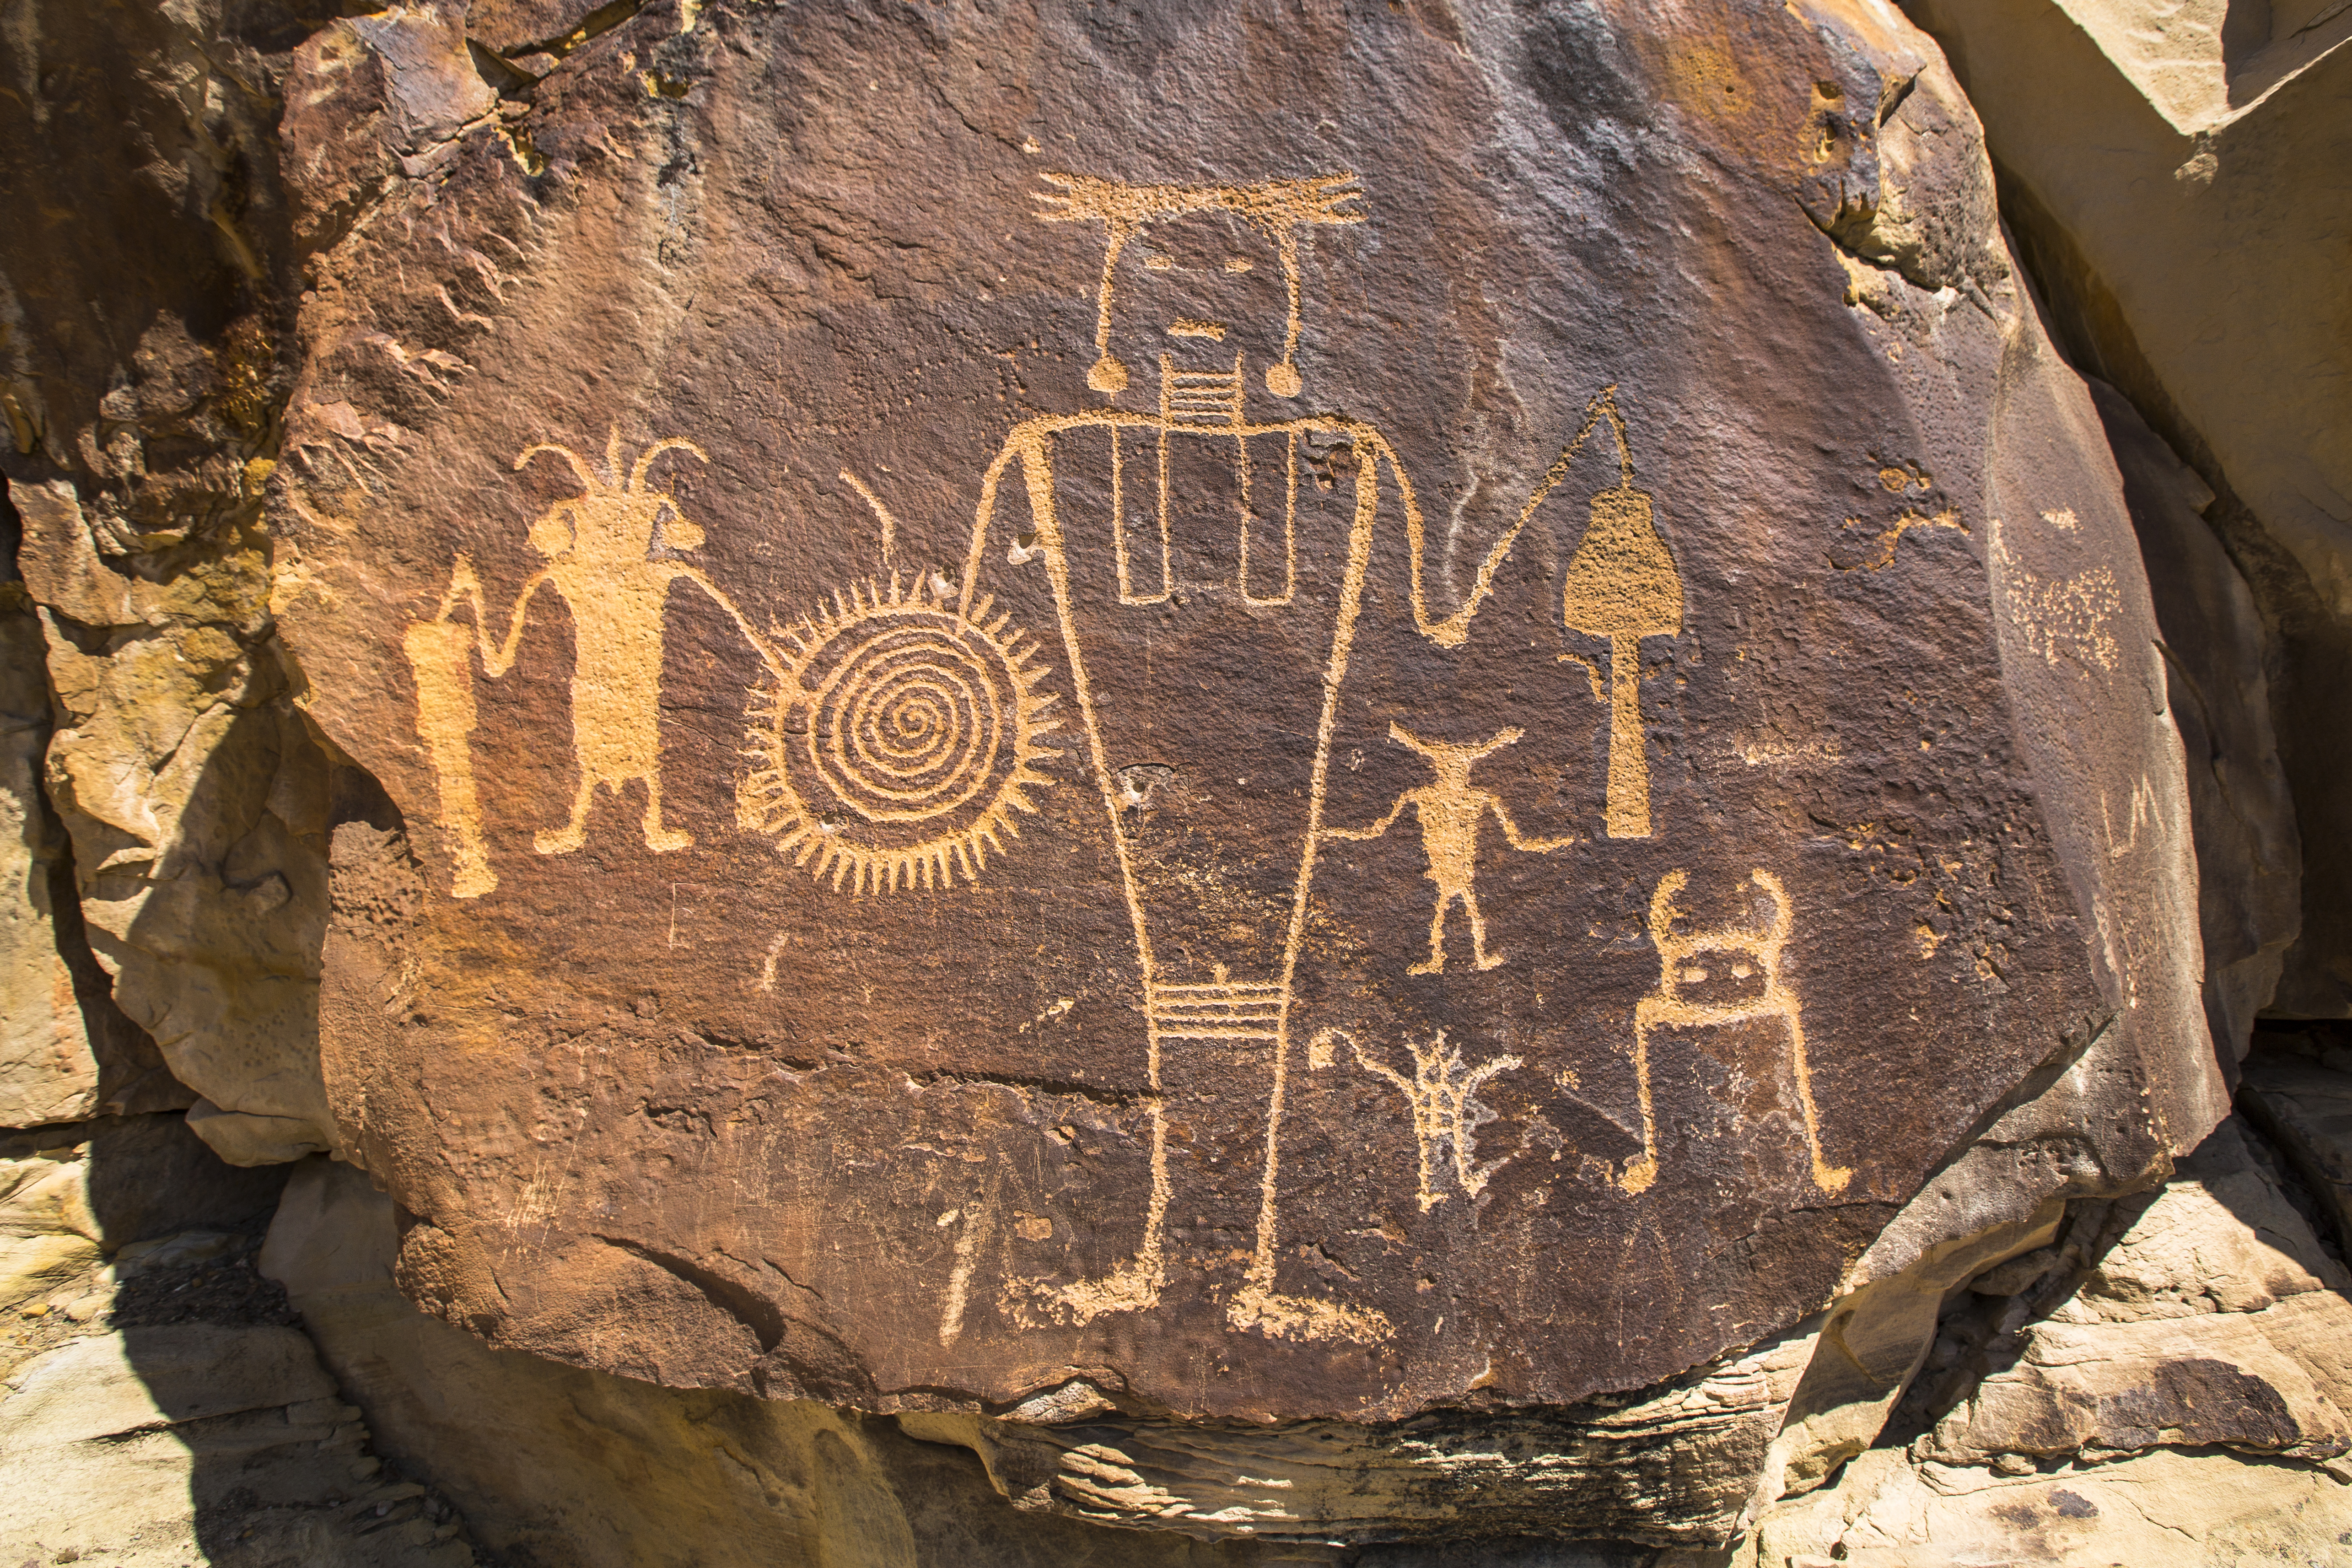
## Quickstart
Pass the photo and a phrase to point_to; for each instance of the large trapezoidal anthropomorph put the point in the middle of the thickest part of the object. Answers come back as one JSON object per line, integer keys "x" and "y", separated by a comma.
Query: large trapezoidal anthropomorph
{"x": 1207, "y": 607}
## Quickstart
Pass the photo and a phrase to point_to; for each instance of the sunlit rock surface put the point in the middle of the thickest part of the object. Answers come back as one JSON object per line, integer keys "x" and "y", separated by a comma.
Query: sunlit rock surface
{"x": 1230, "y": 786}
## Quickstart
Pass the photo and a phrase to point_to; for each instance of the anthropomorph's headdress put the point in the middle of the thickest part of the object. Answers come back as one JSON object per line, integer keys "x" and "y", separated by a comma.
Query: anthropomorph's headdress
{"x": 1275, "y": 206}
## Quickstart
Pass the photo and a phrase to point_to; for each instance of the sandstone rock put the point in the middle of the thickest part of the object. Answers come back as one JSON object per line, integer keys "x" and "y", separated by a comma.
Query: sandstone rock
{"x": 47, "y": 1231}
{"x": 193, "y": 1373}
{"x": 2169, "y": 171}
{"x": 48, "y": 1070}
{"x": 2242, "y": 814}
{"x": 1550, "y": 907}
{"x": 143, "y": 1178}
{"x": 2306, "y": 1108}
{"x": 66, "y": 1053}
{"x": 193, "y": 795}
{"x": 104, "y": 1440}
{"x": 1871, "y": 1346}
{"x": 1668, "y": 1468}
{"x": 554, "y": 1463}
{"x": 2114, "y": 1397}
{"x": 1451, "y": 957}
{"x": 2164, "y": 1510}
{"x": 197, "y": 801}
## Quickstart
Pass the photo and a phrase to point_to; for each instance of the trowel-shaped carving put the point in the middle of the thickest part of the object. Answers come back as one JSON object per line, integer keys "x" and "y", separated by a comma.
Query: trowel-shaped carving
{"x": 1622, "y": 585}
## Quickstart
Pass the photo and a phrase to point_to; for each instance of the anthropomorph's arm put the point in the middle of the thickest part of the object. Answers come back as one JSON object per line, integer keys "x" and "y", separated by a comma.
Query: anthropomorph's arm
{"x": 1450, "y": 631}
{"x": 718, "y": 596}
{"x": 1518, "y": 840}
{"x": 465, "y": 588}
{"x": 1029, "y": 444}
{"x": 1411, "y": 798}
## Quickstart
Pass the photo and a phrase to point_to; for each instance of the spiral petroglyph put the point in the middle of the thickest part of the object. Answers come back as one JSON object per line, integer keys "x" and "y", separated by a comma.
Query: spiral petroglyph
{"x": 901, "y": 742}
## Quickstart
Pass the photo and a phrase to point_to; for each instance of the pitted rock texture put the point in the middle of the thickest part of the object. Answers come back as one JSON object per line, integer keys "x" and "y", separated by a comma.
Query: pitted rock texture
{"x": 2167, "y": 170}
{"x": 1071, "y": 702}
{"x": 1438, "y": 724}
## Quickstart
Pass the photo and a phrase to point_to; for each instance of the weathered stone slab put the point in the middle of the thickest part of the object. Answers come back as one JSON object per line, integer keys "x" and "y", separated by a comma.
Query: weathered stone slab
{"x": 2306, "y": 1106}
{"x": 1118, "y": 700}
{"x": 47, "y": 1069}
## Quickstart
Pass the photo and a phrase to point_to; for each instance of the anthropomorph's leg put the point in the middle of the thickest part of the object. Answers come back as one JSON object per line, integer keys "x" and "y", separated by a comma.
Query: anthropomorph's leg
{"x": 1436, "y": 961}
{"x": 574, "y": 832}
{"x": 660, "y": 839}
{"x": 1641, "y": 1172}
{"x": 1258, "y": 1305}
{"x": 1477, "y": 932}
{"x": 1828, "y": 1177}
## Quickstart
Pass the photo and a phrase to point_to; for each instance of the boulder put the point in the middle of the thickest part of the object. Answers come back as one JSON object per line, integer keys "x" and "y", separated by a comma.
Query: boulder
{"x": 1283, "y": 775}
{"x": 226, "y": 1444}
{"x": 48, "y": 1070}
{"x": 2303, "y": 1103}
{"x": 1104, "y": 827}
{"x": 2164, "y": 1384}
{"x": 555, "y": 1463}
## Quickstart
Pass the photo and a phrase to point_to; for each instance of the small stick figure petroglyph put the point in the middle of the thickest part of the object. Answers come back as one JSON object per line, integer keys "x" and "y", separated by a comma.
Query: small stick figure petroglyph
{"x": 1451, "y": 813}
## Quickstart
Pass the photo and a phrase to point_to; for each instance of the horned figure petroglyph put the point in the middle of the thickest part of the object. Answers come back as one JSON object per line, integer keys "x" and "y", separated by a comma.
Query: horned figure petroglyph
{"x": 1451, "y": 812}
{"x": 612, "y": 552}
{"x": 1756, "y": 953}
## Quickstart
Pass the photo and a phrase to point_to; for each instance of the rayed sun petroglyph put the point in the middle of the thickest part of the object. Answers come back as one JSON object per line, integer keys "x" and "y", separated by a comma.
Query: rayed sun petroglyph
{"x": 901, "y": 742}
{"x": 903, "y": 731}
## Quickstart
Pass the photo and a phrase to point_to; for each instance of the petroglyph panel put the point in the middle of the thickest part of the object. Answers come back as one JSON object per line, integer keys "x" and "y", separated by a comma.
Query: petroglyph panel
{"x": 1047, "y": 735}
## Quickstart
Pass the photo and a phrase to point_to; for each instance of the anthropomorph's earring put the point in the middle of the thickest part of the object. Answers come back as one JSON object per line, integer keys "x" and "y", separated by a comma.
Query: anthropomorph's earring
{"x": 1108, "y": 376}
{"x": 1282, "y": 376}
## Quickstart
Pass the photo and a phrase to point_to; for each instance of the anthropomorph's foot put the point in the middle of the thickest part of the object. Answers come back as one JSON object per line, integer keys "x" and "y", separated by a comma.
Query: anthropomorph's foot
{"x": 1639, "y": 1175}
{"x": 560, "y": 840}
{"x": 662, "y": 840}
{"x": 1132, "y": 1286}
{"x": 1304, "y": 1318}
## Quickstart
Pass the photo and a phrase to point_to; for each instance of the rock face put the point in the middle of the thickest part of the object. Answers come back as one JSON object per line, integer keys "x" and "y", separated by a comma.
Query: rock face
{"x": 140, "y": 395}
{"x": 1338, "y": 783}
{"x": 2157, "y": 1382}
{"x": 1196, "y": 793}
{"x": 2095, "y": 1401}
{"x": 2169, "y": 172}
